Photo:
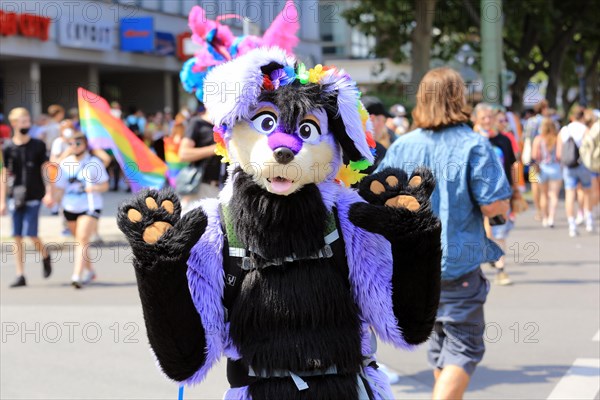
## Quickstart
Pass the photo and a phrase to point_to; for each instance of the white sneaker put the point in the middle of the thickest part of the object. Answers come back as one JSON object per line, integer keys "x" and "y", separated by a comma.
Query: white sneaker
{"x": 573, "y": 231}
{"x": 545, "y": 222}
{"x": 88, "y": 276}
{"x": 579, "y": 219}
{"x": 550, "y": 222}
{"x": 589, "y": 226}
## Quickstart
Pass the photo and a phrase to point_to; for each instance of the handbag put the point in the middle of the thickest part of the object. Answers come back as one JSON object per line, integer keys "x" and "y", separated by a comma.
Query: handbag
{"x": 189, "y": 179}
{"x": 19, "y": 192}
{"x": 19, "y": 195}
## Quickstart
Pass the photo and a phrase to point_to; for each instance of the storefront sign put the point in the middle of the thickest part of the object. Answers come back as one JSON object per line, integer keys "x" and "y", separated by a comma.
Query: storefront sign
{"x": 85, "y": 35}
{"x": 164, "y": 44}
{"x": 27, "y": 25}
{"x": 137, "y": 34}
{"x": 186, "y": 47}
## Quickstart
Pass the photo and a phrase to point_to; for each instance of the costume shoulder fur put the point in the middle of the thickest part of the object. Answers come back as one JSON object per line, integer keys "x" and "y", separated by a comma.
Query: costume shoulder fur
{"x": 290, "y": 274}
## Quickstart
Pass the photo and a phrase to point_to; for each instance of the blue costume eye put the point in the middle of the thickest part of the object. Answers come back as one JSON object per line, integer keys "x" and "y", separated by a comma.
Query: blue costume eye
{"x": 309, "y": 131}
{"x": 264, "y": 122}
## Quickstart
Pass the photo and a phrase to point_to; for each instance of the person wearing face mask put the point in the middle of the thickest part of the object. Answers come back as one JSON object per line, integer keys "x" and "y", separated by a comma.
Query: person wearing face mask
{"x": 24, "y": 160}
{"x": 81, "y": 179}
{"x": 60, "y": 149}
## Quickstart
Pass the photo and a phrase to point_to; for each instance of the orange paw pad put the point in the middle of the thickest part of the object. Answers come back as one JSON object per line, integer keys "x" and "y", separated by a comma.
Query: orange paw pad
{"x": 403, "y": 201}
{"x": 415, "y": 181}
{"x": 377, "y": 187}
{"x": 155, "y": 231}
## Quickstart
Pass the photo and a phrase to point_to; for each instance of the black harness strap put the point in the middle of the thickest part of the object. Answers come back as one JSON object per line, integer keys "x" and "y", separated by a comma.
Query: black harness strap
{"x": 234, "y": 274}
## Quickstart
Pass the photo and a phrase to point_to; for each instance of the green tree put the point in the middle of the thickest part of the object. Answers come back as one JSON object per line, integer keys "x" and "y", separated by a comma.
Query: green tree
{"x": 395, "y": 23}
{"x": 538, "y": 35}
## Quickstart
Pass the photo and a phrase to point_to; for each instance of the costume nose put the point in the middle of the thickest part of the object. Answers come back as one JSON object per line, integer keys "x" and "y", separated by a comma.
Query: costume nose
{"x": 283, "y": 155}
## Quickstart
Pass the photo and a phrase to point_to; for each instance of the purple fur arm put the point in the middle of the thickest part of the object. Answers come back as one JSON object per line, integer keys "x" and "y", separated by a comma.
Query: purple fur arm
{"x": 371, "y": 269}
{"x": 206, "y": 284}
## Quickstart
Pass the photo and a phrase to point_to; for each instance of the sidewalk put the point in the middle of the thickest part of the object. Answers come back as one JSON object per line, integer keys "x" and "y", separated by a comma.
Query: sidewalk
{"x": 51, "y": 226}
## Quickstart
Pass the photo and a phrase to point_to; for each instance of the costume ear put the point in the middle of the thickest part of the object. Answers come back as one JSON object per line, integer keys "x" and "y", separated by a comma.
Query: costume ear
{"x": 348, "y": 122}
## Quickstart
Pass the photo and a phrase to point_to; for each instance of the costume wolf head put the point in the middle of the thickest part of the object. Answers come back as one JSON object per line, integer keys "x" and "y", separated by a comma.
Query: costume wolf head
{"x": 286, "y": 125}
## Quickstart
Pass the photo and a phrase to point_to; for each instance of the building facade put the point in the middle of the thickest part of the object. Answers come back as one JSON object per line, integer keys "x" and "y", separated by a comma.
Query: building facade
{"x": 131, "y": 51}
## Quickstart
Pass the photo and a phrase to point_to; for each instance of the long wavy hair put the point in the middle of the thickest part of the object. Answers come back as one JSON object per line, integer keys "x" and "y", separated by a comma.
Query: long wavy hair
{"x": 440, "y": 100}
{"x": 548, "y": 132}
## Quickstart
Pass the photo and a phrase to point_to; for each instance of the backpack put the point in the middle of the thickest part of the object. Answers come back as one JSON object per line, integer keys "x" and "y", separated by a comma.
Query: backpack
{"x": 570, "y": 153}
{"x": 590, "y": 149}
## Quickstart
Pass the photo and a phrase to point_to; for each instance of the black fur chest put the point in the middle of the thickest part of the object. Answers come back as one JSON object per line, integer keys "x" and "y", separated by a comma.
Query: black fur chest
{"x": 297, "y": 317}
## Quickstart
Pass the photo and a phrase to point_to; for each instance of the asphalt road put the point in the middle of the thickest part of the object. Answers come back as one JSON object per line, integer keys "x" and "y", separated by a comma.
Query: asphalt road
{"x": 541, "y": 337}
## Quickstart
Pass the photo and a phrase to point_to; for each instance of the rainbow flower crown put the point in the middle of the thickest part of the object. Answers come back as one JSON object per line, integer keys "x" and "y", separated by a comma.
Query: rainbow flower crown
{"x": 348, "y": 174}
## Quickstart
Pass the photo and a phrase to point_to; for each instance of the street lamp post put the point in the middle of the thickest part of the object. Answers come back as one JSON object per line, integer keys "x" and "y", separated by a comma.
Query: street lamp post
{"x": 491, "y": 50}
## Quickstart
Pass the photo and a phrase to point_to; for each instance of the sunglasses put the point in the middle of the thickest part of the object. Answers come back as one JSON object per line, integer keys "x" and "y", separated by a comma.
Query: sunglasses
{"x": 76, "y": 143}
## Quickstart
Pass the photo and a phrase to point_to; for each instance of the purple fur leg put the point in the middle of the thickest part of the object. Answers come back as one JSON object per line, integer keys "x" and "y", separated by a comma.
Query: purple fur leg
{"x": 240, "y": 393}
{"x": 205, "y": 279}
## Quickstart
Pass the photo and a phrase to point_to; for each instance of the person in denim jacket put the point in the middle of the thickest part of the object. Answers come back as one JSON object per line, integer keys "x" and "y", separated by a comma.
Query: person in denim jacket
{"x": 470, "y": 185}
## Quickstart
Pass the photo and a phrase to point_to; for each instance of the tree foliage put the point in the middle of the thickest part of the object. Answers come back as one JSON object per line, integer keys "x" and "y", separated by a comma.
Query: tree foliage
{"x": 538, "y": 35}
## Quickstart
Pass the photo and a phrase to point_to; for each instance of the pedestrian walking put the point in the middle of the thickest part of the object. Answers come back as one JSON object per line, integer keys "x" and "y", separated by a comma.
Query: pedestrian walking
{"x": 532, "y": 129}
{"x": 82, "y": 178}
{"x": 465, "y": 192}
{"x": 499, "y": 229}
{"x": 25, "y": 188}
{"x": 574, "y": 172}
{"x": 550, "y": 175}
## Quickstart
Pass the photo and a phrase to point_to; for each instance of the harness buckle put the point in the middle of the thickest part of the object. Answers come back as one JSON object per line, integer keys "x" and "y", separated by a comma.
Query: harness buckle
{"x": 327, "y": 251}
{"x": 248, "y": 264}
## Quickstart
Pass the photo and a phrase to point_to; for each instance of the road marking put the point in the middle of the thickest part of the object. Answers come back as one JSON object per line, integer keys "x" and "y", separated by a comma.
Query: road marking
{"x": 597, "y": 337}
{"x": 580, "y": 382}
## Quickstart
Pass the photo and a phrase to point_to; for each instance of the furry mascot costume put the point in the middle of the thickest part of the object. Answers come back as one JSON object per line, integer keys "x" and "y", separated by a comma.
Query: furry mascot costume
{"x": 289, "y": 273}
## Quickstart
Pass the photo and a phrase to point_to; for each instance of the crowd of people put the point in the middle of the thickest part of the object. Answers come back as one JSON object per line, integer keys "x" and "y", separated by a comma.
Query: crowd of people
{"x": 50, "y": 162}
{"x": 531, "y": 149}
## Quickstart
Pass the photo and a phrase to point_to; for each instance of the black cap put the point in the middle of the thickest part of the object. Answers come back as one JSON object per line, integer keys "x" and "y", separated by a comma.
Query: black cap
{"x": 375, "y": 107}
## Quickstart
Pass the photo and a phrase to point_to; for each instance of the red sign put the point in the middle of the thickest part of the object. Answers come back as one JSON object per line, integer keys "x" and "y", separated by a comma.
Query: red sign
{"x": 180, "y": 39}
{"x": 28, "y": 25}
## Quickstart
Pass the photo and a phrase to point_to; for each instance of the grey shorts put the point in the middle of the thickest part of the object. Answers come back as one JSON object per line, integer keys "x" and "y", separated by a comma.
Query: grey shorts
{"x": 457, "y": 337}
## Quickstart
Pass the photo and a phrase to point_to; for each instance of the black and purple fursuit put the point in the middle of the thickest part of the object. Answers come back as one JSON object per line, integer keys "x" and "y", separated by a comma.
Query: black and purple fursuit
{"x": 290, "y": 274}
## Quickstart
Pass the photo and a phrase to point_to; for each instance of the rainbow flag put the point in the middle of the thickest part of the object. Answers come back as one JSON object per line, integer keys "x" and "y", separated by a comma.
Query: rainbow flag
{"x": 172, "y": 158}
{"x": 141, "y": 166}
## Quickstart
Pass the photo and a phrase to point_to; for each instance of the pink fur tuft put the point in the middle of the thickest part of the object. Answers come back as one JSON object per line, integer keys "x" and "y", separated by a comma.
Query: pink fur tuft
{"x": 200, "y": 24}
{"x": 282, "y": 32}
